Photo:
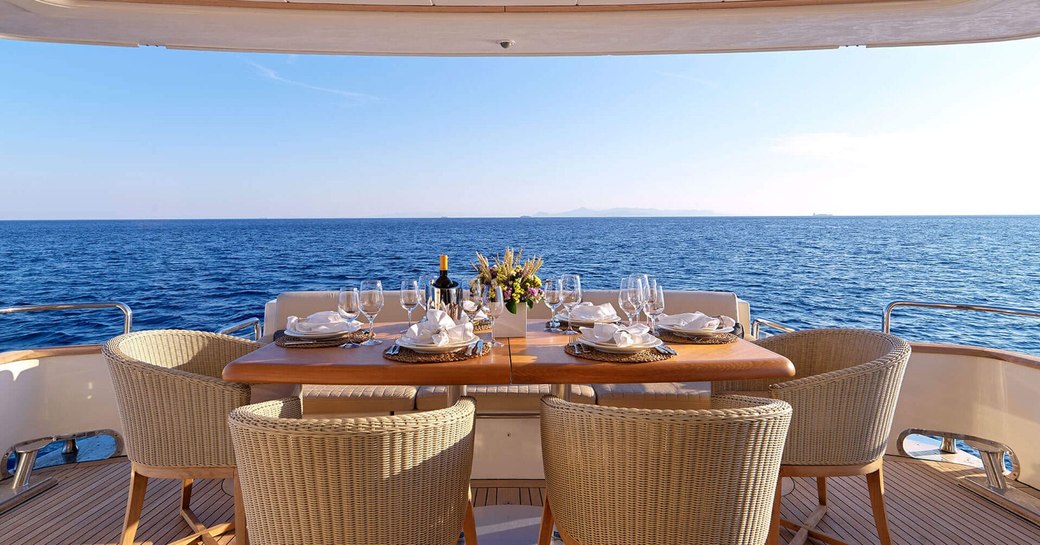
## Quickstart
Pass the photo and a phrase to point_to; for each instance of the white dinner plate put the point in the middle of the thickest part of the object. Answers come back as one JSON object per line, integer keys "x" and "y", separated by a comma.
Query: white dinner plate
{"x": 314, "y": 335}
{"x": 434, "y": 349}
{"x": 706, "y": 331}
{"x": 613, "y": 348}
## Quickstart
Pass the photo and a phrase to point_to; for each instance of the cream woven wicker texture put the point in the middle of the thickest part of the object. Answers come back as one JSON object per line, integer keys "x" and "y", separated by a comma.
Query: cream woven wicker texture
{"x": 844, "y": 397}
{"x": 616, "y": 476}
{"x": 172, "y": 400}
{"x": 393, "y": 479}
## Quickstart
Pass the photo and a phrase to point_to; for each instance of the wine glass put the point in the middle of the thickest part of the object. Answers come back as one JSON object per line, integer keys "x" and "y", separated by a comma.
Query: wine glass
{"x": 655, "y": 307}
{"x": 651, "y": 290}
{"x": 570, "y": 284}
{"x": 423, "y": 283}
{"x": 553, "y": 298}
{"x": 641, "y": 294}
{"x": 474, "y": 299}
{"x": 349, "y": 306}
{"x": 628, "y": 297}
{"x": 495, "y": 304}
{"x": 409, "y": 298}
{"x": 371, "y": 304}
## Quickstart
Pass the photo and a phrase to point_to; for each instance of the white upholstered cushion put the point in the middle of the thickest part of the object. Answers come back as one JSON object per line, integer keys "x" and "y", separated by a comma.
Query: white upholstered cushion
{"x": 500, "y": 398}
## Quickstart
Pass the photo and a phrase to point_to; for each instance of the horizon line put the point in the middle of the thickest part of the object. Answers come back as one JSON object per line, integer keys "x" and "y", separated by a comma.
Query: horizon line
{"x": 525, "y": 216}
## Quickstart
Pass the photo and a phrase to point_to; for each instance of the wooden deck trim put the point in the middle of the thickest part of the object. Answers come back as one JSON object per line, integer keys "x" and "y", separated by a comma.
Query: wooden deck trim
{"x": 49, "y": 352}
{"x": 416, "y": 8}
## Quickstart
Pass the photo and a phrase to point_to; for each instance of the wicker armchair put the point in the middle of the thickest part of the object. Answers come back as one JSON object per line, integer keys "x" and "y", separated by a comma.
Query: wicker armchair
{"x": 389, "y": 479}
{"x": 844, "y": 400}
{"x": 173, "y": 406}
{"x": 622, "y": 475}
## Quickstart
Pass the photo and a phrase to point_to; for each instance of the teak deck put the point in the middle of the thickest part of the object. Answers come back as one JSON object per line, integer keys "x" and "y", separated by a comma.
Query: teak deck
{"x": 925, "y": 507}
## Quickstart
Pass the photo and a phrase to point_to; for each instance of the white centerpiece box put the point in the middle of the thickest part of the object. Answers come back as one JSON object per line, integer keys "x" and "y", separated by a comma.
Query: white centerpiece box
{"x": 512, "y": 325}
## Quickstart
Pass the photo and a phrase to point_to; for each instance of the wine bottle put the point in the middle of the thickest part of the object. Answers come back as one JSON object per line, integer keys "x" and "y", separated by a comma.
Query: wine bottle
{"x": 443, "y": 281}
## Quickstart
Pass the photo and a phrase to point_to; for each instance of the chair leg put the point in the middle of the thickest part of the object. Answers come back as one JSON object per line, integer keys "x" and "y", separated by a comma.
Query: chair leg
{"x": 821, "y": 490}
{"x": 469, "y": 524}
{"x": 134, "y": 504}
{"x": 774, "y": 521}
{"x": 241, "y": 534}
{"x": 546, "y": 528}
{"x": 876, "y": 485}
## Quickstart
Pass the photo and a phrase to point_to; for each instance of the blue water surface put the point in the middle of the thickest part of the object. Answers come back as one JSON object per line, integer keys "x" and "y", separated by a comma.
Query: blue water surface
{"x": 802, "y": 271}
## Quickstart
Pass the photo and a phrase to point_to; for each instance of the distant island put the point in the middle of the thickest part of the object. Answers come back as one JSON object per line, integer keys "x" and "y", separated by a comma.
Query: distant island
{"x": 623, "y": 213}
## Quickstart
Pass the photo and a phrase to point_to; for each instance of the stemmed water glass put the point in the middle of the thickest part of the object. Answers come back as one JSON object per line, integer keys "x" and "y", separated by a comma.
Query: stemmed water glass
{"x": 628, "y": 297}
{"x": 423, "y": 283}
{"x": 650, "y": 288}
{"x": 641, "y": 291}
{"x": 655, "y": 306}
{"x": 410, "y": 298}
{"x": 371, "y": 304}
{"x": 475, "y": 299}
{"x": 349, "y": 306}
{"x": 553, "y": 297}
{"x": 570, "y": 285}
{"x": 495, "y": 304}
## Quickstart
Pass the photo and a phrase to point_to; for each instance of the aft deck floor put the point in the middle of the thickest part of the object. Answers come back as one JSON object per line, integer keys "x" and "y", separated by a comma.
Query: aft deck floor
{"x": 925, "y": 506}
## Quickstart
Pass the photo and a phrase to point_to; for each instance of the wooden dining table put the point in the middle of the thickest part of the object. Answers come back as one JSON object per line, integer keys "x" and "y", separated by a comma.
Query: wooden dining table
{"x": 537, "y": 359}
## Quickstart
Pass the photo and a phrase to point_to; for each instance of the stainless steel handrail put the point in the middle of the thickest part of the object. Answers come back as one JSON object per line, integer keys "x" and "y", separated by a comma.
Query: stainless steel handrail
{"x": 756, "y": 326}
{"x": 244, "y": 324}
{"x": 128, "y": 315}
{"x": 886, "y": 321}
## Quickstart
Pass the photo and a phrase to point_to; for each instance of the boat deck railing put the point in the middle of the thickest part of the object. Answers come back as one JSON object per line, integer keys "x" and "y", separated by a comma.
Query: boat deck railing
{"x": 128, "y": 315}
{"x": 886, "y": 320}
{"x": 253, "y": 323}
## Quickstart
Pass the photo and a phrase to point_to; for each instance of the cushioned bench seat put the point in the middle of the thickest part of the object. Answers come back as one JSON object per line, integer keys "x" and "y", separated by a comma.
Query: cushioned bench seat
{"x": 335, "y": 400}
{"x": 520, "y": 398}
{"x": 661, "y": 395}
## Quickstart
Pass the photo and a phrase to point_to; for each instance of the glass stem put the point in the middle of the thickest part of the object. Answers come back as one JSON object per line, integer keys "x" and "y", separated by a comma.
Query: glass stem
{"x": 371, "y": 327}
{"x": 410, "y": 317}
{"x": 493, "y": 318}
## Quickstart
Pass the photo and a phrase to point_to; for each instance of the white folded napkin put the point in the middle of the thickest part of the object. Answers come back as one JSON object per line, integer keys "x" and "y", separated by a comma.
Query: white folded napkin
{"x": 593, "y": 313}
{"x": 622, "y": 336}
{"x": 328, "y": 321}
{"x": 695, "y": 321}
{"x": 439, "y": 329}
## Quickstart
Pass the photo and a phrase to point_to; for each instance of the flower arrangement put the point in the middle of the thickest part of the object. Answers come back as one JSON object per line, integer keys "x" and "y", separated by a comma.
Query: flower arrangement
{"x": 517, "y": 277}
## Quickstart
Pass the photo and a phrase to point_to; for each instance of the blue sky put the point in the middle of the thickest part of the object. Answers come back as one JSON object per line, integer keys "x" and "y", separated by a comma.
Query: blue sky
{"x": 103, "y": 132}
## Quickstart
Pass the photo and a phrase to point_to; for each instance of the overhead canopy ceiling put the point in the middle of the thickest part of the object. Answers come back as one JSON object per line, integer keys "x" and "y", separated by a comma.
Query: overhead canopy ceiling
{"x": 526, "y": 27}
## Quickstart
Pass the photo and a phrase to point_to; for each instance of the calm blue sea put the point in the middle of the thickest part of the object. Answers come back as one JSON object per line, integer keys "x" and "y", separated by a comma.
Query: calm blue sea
{"x": 804, "y": 271}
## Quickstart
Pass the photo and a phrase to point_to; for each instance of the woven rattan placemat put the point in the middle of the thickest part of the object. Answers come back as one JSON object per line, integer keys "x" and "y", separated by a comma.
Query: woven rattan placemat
{"x": 589, "y": 353}
{"x": 407, "y": 355}
{"x": 288, "y": 341}
{"x": 718, "y": 338}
